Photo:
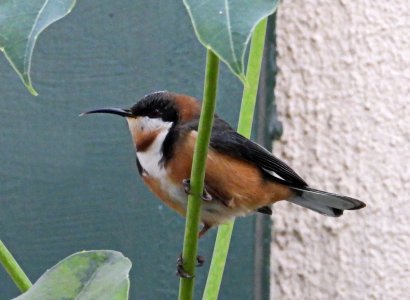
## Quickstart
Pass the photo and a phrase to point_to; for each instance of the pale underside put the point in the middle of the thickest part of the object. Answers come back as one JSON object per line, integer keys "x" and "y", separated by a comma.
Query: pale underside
{"x": 212, "y": 212}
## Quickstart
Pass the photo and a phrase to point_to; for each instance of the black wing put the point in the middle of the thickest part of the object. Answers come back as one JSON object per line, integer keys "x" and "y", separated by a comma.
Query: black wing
{"x": 227, "y": 141}
{"x": 224, "y": 139}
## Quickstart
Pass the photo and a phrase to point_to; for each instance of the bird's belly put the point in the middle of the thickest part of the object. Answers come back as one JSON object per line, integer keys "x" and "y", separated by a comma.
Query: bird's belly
{"x": 215, "y": 212}
{"x": 155, "y": 175}
{"x": 175, "y": 192}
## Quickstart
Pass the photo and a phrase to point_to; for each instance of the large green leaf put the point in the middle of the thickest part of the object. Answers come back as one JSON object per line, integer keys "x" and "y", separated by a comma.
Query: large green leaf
{"x": 87, "y": 275}
{"x": 225, "y": 26}
{"x": 21, "y": 21}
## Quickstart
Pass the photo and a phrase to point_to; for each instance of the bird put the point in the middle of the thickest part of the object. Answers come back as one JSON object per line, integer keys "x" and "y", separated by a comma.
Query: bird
{"x": 241, "y": 176}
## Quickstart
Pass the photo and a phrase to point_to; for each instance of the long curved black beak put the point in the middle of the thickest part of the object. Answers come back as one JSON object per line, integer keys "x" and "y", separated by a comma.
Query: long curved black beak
{"x": 114, "y": 111}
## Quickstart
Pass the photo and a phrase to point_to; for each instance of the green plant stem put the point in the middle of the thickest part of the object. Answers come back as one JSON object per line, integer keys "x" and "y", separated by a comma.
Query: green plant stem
{"x": 13, "y": 269}
{"x": 250, "y": 91}
{"x": 253, "y": 71}
{"x": 186, "y": 287}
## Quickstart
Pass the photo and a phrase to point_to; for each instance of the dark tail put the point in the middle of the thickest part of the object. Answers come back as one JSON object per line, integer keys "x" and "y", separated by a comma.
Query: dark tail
{"x": 323, "y": 202}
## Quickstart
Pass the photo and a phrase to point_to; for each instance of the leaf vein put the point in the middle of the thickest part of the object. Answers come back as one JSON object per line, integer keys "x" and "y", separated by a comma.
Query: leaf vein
{"x": 31, "y": 33}
{"x": 228, "y": 21}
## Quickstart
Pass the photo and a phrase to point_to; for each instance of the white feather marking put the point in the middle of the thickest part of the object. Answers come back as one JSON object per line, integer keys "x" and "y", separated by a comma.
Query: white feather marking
{"x": 150, "y": 159}
{"x": 147, "y": 124}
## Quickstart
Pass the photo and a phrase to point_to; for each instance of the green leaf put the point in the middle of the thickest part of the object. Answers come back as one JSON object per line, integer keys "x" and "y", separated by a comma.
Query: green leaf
{"x": 86, "y": 275}
{"x": 225, "y": 26}
{"x": 21, "y": 22}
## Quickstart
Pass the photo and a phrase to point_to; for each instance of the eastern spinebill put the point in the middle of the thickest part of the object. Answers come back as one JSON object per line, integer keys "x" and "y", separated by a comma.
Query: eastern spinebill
{"x": 241, "y": 176}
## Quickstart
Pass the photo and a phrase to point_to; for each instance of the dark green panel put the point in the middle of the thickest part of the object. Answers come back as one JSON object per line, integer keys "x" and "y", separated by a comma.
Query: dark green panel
{"x": 268, "y": 128}
{"x": 69, "y": 183}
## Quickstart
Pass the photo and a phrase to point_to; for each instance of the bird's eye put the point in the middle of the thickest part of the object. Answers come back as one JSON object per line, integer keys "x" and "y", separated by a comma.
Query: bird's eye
{"x": 156, "y": 113}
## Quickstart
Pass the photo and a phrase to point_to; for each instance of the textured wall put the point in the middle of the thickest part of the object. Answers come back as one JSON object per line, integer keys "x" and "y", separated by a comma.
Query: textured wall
{"x": 343, "y": 90}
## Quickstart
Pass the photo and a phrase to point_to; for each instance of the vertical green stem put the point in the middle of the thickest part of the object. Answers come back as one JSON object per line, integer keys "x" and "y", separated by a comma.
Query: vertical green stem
{"x": 253, "y": 71}
{"x": 186, "y": 287}
{"x": 250, "y": 91}
{"x": 13, "y": 269}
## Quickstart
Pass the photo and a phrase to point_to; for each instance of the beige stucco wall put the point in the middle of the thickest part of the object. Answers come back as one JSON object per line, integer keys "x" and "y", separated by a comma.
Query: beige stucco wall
{"x": 343, "y": 94}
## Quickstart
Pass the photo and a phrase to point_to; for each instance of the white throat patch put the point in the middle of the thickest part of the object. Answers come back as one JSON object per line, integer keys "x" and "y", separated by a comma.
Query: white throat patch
{"x": 145, "y": 124}
{"x": 150, "y": 158}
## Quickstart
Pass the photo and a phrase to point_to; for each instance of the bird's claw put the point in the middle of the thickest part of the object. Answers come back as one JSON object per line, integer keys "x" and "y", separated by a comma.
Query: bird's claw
{"x": 180, "y": 266}
{"x": 187, "y": 188}
{"x": 180, "y": 269}
{"x": 200, "y": 260}
{"x": 206, "y": 196}
{"x": 186, "y": 183}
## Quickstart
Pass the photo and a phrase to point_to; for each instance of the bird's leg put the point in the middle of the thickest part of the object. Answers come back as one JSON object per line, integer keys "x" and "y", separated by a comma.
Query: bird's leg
{"x": 180, "y": 266}
{"x": 204, "y": 229}
{"x": 187, "y": 188}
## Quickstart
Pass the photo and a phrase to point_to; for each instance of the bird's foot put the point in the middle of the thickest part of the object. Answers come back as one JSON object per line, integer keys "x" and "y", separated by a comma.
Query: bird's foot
{"x": 187, "y": 188}
{"x": 200, "y": 260}
{"x": 180, "y": 269}
{"x": 186, "y": 183}
{"x": 180, "y": 266}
